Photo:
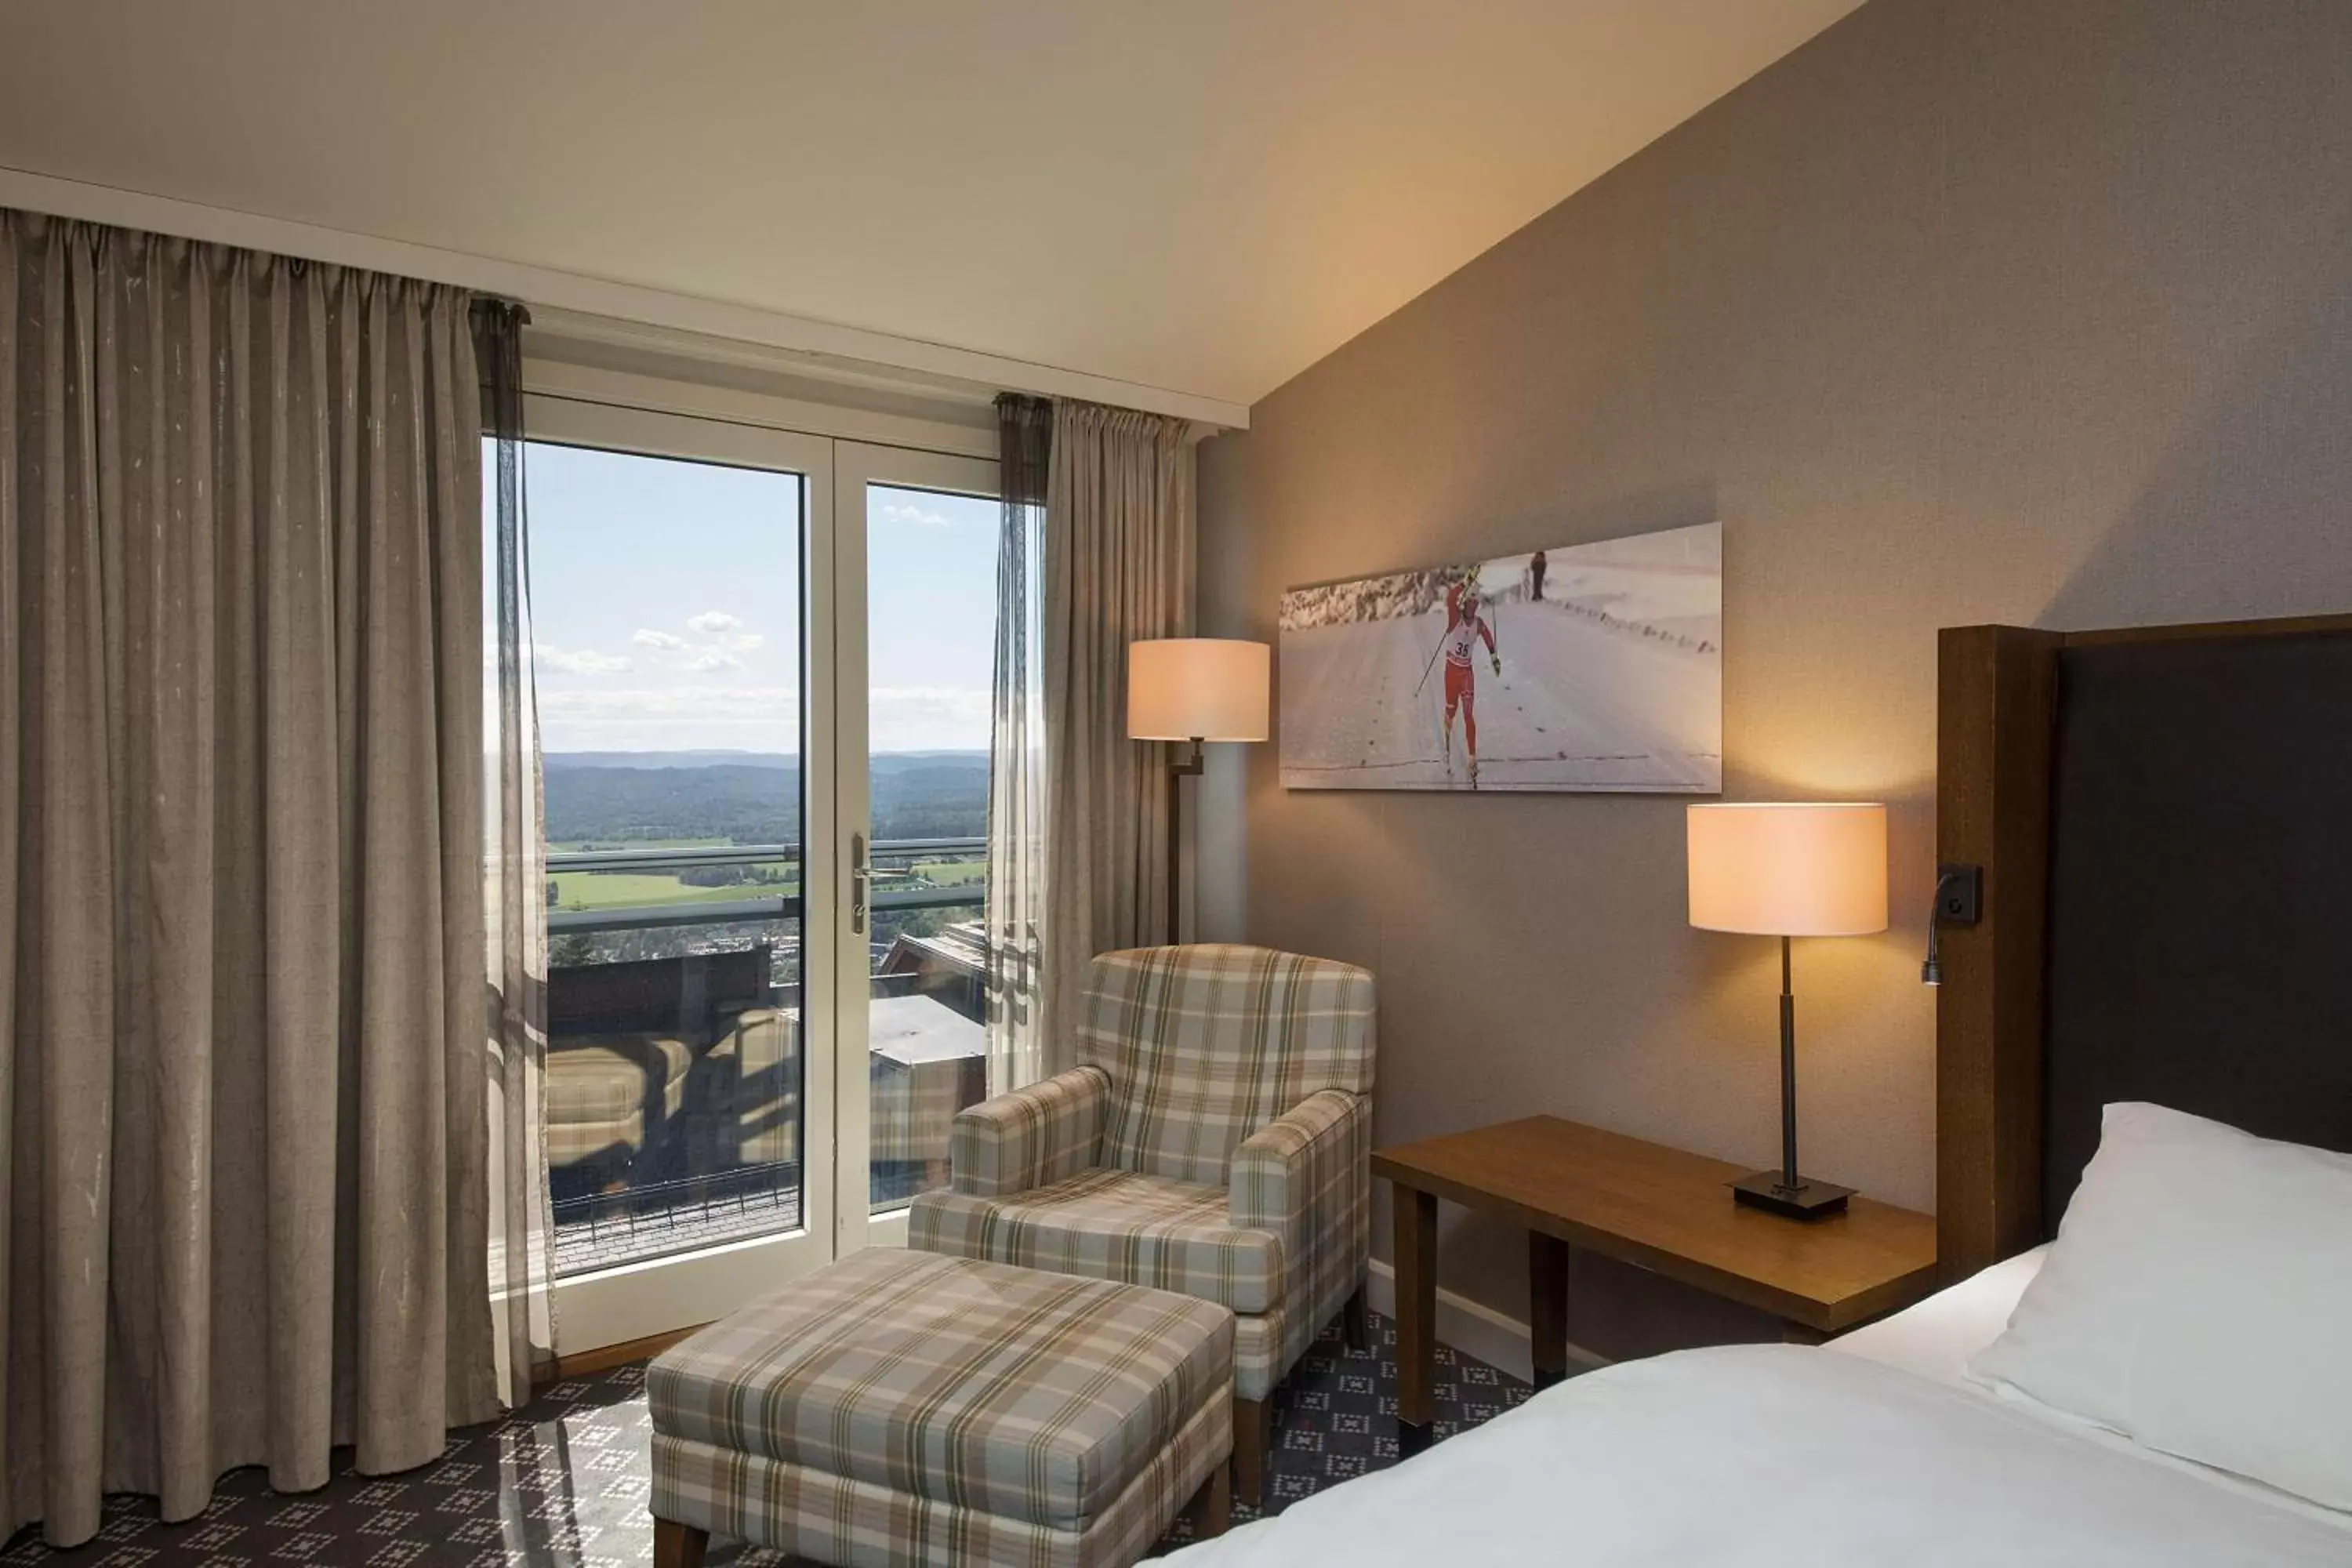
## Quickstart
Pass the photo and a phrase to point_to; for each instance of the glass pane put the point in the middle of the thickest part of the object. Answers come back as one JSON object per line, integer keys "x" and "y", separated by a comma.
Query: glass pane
{"x": 666, "y": 598}
{"x": 930, "y": 574}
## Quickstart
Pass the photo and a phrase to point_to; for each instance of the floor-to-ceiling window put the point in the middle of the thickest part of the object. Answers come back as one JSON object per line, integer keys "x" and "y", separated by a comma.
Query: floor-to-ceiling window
{"x": 669, "y": 602}
{"x": 920, "y": 533}
{"x": 763, "y": 663}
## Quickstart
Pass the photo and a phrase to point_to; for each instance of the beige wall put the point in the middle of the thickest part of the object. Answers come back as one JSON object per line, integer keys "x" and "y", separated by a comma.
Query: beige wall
{"x": 2028, "y": 311}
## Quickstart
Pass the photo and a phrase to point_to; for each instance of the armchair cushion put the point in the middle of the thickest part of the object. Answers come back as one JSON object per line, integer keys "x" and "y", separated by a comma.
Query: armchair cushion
{"x": 1031, "y": 1137}
{"x": 1307, "y": 1177}
{"x": 613, "y": 1093}
{"x": 762, "y": 1121}
{"x": 1112, "y": 1224}
{"x": 1204, "y": 1045}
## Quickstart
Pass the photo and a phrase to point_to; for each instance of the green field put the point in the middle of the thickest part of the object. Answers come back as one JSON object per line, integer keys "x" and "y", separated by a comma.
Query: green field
{"x": 631, "y": 889}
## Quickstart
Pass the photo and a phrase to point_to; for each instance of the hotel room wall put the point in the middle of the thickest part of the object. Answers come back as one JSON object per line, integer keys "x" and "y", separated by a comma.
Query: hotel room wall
{"x": 2028, "y": 311}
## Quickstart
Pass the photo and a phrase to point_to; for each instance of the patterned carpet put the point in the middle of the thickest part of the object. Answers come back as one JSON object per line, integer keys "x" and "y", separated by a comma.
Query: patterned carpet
{"x": 564, "y": 1482}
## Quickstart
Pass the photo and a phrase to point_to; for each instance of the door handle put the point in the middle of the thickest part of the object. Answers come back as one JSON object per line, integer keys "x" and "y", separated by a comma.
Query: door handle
{"x": 858, "y": 883}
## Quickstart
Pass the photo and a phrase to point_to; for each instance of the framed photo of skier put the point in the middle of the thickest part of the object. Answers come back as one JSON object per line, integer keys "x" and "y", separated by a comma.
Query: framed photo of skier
{"x": 1592, "y": 668}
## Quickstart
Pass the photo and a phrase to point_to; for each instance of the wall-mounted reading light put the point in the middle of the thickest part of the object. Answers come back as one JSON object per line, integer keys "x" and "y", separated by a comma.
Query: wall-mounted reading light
{"x": 1959, "y": 894}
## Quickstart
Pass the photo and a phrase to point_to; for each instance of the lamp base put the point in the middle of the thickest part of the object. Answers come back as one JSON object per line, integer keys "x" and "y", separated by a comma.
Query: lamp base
{"x": 1806, "y": 1200}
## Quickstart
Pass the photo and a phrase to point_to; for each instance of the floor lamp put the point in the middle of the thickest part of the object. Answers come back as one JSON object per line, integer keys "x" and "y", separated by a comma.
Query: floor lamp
{"x": 1194, "y": 689}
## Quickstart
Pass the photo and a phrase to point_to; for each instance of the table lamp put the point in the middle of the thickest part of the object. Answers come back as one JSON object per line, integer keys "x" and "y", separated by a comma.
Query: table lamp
{"x": 1789, "y": 871}
{"x": 1195, "y": 690}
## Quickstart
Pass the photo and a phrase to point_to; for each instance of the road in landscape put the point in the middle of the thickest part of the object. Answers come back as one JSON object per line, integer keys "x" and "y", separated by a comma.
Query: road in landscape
{"x": 1580, "y": 704}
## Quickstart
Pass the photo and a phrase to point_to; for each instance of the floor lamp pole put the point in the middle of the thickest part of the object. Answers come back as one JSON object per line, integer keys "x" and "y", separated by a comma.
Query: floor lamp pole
{"x": 1177, "y": 772}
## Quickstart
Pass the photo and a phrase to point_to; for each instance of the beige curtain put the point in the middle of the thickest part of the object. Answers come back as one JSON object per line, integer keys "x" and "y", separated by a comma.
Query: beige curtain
{"x": 514, "y": 884}
{"x": 240, "y": 910}
{"x": 1118, "y": 561}
{"x": 1016, "y": 762}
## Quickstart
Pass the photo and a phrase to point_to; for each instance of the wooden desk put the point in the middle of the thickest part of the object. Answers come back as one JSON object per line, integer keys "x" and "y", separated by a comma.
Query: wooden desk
{"x": 1572, "y": 1185}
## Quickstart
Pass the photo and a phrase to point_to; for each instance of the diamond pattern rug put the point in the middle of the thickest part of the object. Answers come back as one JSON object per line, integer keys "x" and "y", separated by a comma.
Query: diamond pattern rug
{"x": 562, "y": 1483}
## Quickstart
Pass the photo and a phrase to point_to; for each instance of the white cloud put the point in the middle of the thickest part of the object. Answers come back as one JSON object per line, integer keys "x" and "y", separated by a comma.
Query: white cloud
{"x": 927, "y": 718}
{"x": 751, "y": 717}
{"x": 909, "y": 513}
{"x": 580, "y": 661}
{"x": 675, "y": 704}
{"x": 740, "y": 718}
{"x": 719, "y": 639}
{"x": 960, "y": 702}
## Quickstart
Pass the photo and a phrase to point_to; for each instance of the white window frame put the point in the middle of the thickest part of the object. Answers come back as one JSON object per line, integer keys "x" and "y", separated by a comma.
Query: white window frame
{"x": 857, "y": 465}
{"x": 836, "y": 451}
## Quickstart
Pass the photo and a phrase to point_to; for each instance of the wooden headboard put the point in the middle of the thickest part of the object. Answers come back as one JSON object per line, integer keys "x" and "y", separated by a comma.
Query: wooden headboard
{"x": 2163, "y": 816}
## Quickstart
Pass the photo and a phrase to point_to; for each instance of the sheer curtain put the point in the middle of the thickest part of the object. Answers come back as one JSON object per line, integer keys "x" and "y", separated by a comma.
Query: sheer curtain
{"x": 242, "y": 1089}
{"x": 514, "y": 882}
{"x": 1016, "y": 762}
{"x": 1119, "y": 568}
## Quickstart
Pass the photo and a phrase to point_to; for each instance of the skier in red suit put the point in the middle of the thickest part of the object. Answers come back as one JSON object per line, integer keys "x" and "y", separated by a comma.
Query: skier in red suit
{"x": 1464, "y": 626}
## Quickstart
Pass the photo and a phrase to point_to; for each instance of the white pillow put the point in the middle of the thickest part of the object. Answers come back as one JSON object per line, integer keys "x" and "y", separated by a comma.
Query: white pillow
{"x": 2199, "y": 1301}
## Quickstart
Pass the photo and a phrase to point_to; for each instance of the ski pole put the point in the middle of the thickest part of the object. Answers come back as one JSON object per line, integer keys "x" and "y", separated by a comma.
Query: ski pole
{"x": 1429, "y": 666}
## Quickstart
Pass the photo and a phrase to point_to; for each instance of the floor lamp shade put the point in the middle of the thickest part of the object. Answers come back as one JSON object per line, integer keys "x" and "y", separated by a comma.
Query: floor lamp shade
{"x": 1802, "y": 869}
{"x": 1195, "y": 690}
{"x": 1198, "y": 688}
{"x": 1787, "y": 870}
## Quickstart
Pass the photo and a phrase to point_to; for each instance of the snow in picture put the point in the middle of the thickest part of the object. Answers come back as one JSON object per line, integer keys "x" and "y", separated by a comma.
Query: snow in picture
{"x": 1597, "y": 667}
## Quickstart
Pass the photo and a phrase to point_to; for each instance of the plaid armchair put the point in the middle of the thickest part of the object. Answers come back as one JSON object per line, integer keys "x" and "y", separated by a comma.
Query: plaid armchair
{"x": 1214, "y": 1140}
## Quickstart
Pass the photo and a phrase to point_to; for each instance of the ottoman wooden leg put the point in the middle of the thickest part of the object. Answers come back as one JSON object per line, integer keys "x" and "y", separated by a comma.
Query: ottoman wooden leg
{"x": 1356, "y": 1322}
{"x": 1212, "y": 1508}
{"x": 678, "y": 1545}
{"x": 1252, "y": 1436}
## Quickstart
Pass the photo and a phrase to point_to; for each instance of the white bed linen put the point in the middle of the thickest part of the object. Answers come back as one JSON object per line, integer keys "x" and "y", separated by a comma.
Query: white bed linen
{"x": 1764, "y": 1455}
{"x": 2199, "y": 1298}
{"x": 1936, "y": 1337}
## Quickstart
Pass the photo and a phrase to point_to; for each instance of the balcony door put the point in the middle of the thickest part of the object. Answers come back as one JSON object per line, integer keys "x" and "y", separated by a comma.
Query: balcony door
{"x": 763, "y": 662}
{"x": 915, "y": 540}
{"x": 682, "y": 608}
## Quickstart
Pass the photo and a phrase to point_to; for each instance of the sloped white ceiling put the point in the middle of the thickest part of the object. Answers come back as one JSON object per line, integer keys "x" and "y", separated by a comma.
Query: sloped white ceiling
{"x": 1202, "y": 196}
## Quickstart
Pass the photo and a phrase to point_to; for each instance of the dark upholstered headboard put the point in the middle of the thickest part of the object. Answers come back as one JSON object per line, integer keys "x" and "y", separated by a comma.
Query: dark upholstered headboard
{"x": 2163, "y": 817}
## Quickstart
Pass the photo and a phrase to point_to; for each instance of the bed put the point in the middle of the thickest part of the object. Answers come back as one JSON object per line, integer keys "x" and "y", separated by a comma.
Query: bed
{"x": 1873, "y": 1449}
{"x": 2161, "y": 817}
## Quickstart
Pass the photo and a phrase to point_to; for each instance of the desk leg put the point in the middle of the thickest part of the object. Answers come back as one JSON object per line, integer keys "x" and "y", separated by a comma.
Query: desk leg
{"x": 1548, "y": 1308}
{"x": 1416, "y": 1311}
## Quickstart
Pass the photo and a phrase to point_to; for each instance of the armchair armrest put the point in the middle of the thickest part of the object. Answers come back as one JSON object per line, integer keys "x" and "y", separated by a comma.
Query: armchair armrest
{"x": 1032, "y": 1136}
{"x": 1281, "y": 1170}
{"x": 1307, "y": 1175}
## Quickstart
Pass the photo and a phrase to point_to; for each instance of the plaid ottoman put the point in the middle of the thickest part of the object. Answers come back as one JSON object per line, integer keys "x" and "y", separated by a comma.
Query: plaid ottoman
{"x": 903, "y": 1407}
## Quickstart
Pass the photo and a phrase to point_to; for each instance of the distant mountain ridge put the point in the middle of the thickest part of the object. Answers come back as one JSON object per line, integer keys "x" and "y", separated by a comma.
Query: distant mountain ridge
{"x": 749, "y": 797}
{"x": 704, "y": 759}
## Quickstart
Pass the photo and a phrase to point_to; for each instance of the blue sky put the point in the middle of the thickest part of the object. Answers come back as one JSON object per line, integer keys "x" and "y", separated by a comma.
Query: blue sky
{"x": 667, "y": 596}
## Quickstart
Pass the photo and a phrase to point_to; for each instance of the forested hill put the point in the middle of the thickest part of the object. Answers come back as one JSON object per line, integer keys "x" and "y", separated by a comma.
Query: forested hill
{"x": 617, "y": 797}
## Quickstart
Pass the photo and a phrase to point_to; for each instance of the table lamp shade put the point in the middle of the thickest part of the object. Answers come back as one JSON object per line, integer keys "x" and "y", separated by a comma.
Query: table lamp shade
{"x": 1206, "y": 689}
{"x": 1798, "y": 869}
